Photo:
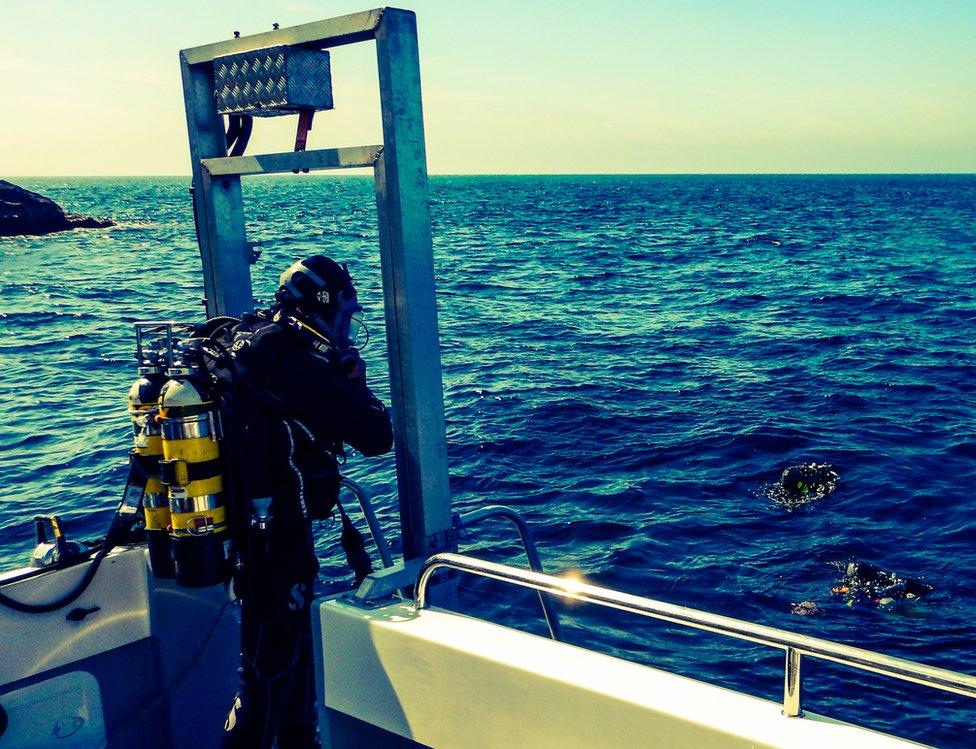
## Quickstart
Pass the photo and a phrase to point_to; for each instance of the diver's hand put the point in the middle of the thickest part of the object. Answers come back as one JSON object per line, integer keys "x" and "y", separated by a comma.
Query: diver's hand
{"x": 351, "y": 364}
{"x": 358, "y": 370}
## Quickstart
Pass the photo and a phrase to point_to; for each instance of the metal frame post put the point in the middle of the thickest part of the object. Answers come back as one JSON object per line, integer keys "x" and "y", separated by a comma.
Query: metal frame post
{"x": 408, "y": 284}
{"x": 792, "y": 699}
{"x": 406, "y": 254}
{"x": 218, "y": 206}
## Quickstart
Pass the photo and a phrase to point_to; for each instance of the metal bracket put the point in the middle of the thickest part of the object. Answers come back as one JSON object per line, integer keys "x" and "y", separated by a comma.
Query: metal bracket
{"x": 56, "y": 552}
{"x": 301, "y": 135}
{"x": 446, "y": 540}
{"x": 383, "y": 584}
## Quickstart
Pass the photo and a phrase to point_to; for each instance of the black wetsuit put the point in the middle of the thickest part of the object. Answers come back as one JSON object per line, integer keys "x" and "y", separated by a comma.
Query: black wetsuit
{"x": 293, "y": 408}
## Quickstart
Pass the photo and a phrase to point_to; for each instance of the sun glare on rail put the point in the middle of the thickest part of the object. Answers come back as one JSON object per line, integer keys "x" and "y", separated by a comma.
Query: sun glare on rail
{"x": 573, "y": 583}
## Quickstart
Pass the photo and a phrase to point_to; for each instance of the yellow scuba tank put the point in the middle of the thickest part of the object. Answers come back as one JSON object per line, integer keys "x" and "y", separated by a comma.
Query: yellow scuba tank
{"x": 191, "y": 470}
{"x": 146, "y": 453}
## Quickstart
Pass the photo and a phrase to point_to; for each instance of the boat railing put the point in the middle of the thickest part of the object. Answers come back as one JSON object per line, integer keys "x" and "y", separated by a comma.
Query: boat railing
{"x": 369, "y": 514}
{"x": 795, "y": 645}
{"x": 499, "y": 512}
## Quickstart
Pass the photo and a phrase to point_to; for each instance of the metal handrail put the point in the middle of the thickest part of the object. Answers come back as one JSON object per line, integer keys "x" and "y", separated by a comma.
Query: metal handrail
{"x": 490, "y": 512}
{"x": 795, "y": 645}
{"x": 375, "y": 529}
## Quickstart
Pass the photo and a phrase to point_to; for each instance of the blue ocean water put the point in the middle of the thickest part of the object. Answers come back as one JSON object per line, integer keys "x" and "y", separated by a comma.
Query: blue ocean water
{"x": 629, "y": 361}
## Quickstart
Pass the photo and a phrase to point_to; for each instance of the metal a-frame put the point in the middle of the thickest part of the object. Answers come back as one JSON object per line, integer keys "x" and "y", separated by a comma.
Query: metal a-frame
{"x": 400, "y": 169}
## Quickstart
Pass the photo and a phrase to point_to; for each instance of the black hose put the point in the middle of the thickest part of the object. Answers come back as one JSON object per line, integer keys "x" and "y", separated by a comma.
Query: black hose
{"x": 354, "y": 545}
{"x": 72, "y": 595}
{"x": 244, "y": 135}
{"x": 116, "y": 531}
{"x": 233, "y": 131}
{"x": 238, "y": 133}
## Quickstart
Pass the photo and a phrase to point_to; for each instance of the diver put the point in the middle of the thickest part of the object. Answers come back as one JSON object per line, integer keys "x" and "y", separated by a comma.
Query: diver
{"x": 805, "y": 483}
{"x": 864, "y": 583}
{"x": 297, "y": 393}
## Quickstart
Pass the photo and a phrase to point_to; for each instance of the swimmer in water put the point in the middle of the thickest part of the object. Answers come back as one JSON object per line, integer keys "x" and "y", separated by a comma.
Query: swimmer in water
{"x": 805, "y": 483}
{"x": 863, "y": 583}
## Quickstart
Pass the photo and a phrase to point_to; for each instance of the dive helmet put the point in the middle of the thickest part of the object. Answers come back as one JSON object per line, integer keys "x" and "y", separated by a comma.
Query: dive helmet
{"x": 322, "y": 293}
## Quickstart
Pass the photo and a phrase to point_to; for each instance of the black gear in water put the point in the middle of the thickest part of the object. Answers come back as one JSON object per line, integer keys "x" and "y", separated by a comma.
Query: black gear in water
{"x": 804, "y": 483}
{"x": 811, "y": 478}
{"x": 864, "y": 583}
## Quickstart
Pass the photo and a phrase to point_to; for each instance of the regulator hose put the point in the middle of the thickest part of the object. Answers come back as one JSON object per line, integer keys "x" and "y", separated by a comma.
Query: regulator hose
{"x": 116, "y": 532}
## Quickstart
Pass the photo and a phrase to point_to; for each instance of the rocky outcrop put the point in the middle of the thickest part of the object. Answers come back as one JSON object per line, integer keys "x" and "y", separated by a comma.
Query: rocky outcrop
{"x": 26, "y": 212}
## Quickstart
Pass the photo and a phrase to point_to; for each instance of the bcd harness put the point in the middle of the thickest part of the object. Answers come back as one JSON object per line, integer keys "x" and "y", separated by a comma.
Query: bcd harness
{"x": 232, "y": 355}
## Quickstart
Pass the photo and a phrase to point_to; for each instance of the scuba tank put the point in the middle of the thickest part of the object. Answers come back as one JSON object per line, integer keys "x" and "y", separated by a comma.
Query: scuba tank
{"x": 146, "y": 453}
{"x": 191, "y": 471}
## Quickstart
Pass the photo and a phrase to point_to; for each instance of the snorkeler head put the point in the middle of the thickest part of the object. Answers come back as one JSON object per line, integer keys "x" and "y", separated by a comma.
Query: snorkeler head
{"x": 811, "y": 478}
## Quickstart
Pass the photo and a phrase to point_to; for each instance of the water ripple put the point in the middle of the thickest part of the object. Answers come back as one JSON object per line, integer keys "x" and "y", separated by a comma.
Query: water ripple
{"x": 631, "y": 361}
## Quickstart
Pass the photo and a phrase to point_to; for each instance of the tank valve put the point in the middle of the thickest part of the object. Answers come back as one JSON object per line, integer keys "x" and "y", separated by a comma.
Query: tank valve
{"x": 54, "y": 551}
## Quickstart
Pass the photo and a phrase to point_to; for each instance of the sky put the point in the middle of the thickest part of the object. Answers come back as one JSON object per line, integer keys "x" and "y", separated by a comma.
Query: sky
{"x": 620, "y": 86}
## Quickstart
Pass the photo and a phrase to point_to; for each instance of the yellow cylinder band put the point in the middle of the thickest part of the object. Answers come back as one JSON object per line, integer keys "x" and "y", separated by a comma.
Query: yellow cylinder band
{"x": 151, "y": 445}
{"x": 204, "y": 486}
{"x": 182, "y": 487}
{"x": 157, "y": 518}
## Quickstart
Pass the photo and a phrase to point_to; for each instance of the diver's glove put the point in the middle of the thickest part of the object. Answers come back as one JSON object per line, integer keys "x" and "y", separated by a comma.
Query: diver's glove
{"x": 354, "y": 545}
{"x": 350, "y": 363}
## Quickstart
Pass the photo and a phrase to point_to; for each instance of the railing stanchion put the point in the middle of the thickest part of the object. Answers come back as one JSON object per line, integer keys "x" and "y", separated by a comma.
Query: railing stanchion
{"x": 792, "y": 684}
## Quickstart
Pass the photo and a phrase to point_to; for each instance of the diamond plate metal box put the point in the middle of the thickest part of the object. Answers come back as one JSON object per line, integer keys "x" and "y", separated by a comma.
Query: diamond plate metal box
{"x": 273, "y": 81}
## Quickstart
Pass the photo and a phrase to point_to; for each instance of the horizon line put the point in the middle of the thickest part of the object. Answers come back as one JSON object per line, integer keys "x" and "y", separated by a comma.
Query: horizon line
{"x": 360, "y": 173}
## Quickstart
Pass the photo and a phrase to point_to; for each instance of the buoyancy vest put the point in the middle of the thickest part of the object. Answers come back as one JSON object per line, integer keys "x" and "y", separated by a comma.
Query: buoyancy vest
{"x": 273, "y": 450}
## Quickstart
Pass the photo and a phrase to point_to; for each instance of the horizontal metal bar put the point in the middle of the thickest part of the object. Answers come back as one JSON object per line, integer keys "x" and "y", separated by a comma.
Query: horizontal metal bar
{"x": 333, "y": 32}
{"x": 866, "y": 660}
{"x": 290, "y": 161}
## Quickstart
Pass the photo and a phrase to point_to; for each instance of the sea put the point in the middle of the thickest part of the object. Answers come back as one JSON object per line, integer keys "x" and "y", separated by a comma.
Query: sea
{"x": 630, "y": 362}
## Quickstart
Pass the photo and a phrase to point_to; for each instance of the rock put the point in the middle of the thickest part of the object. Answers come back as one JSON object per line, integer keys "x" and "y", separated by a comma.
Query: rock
{"x": 26, "y": 212}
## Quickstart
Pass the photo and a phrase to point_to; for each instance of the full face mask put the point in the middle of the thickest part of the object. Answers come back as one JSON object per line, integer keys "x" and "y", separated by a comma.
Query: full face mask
{"x": 339, "y": 322}
{"x": 322, "y": 293}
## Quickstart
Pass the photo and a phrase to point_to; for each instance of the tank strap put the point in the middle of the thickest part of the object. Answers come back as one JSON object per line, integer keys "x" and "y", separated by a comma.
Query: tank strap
{"x": 180, "y": 473}
{"x": 141, "y": 467}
